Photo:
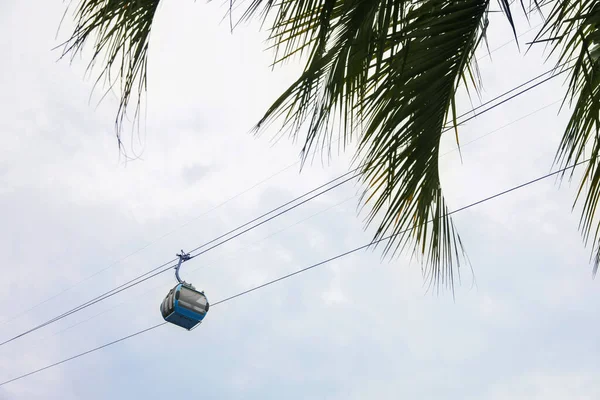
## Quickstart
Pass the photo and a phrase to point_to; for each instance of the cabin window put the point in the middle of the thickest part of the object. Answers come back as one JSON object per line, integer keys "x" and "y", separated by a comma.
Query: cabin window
{"x": 164, "y": 307}
{"x": 170, "y": 302}
{"x": 192, "y": 300}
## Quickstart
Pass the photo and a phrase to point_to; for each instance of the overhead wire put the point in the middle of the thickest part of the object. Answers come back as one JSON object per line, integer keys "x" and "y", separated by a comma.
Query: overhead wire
{"x": 22, "y": 313}
{"x": 442, "y": 155}
{"x": 514, "y": 95}
{"x": 508, "y": 42}
{"x": 345, "y": 178}
{"x": 157, "y": 271}
{"x": 152, "y": 242}
{"x": 194, "y": 269}
{"x": 529, "y": 114}
{"x": 297, "y": 272}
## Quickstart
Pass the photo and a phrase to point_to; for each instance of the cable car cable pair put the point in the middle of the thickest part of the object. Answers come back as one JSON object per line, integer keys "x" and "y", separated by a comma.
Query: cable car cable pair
{"x": 300, "y": 271}
{"x": 157, "y": 271}
{"x": 115, "y": 291}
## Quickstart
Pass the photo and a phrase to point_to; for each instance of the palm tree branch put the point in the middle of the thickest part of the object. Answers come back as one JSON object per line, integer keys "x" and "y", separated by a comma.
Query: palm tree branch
{"x": 120, "y": 30}
{"x": 574, "y": 27}
{"x": 388, "y": 70}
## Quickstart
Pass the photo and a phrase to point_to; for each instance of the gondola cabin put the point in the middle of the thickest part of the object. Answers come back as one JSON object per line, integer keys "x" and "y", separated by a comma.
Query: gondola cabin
{"x": 184, "y": 306}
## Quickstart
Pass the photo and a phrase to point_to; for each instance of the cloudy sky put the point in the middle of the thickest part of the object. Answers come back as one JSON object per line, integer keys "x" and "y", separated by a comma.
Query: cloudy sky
{"x": 523, "y": 325}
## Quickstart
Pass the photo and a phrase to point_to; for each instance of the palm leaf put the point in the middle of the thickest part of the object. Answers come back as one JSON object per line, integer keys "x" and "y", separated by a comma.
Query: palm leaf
{"x": 120, "y": 30}
{"x": 385, "y": 72}
{"x": 572, "y": 30}
{"x": 381, "y": 72}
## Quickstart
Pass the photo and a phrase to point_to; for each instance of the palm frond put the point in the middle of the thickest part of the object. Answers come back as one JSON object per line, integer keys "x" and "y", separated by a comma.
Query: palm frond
{"x": 573, "y": 27}
{"x": 120, "y": 30}
{"x": 387, "y": 73}
{"x": 382, "y": 72}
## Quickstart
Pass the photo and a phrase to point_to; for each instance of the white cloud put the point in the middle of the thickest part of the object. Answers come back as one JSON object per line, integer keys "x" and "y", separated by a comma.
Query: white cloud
{"x": 356, "y": 328}
{"x": 549, "y": 386}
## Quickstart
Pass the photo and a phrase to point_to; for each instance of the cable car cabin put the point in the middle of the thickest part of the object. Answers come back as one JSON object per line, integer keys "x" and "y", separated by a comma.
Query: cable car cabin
{"x": 184, "y": 306}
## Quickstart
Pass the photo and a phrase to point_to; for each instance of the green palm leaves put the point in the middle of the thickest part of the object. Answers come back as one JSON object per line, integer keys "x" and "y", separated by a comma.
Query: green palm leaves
{"x": 121, "y": 31}
{"x": 384, "y": 74}
{"x": 572, "y": 29}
